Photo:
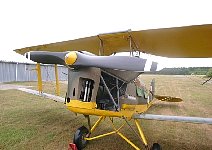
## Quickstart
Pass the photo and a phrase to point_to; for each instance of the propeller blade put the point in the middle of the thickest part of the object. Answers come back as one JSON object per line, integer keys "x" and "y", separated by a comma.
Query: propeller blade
{"x": 110, "y": 62}
{"x": 80, "y": 59}
{"x": 48, "y": 57}
{"x": 168, "y": 98}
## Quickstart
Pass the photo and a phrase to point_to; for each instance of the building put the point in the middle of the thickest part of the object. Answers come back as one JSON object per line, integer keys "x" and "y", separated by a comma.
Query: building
{"x": 15, "y": 67}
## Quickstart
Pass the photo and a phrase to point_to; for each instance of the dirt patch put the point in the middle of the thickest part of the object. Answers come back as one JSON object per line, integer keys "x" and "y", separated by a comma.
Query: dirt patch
{"x": 11, "y": 86}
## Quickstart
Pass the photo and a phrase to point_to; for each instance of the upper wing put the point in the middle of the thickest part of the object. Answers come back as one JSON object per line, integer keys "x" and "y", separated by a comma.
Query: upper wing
{"x": 189, "y": 41}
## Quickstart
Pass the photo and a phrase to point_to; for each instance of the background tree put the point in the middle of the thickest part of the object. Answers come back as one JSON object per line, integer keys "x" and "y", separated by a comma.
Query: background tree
{"x": 209, "y": 73}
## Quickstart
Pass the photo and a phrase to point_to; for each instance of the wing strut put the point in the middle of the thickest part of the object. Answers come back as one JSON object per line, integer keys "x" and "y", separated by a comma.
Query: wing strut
{"x": 57, "y": 80}
{"x": 38, "y": 69}
{"x": 132, "y": 43}
{"x": 101, "y": 49}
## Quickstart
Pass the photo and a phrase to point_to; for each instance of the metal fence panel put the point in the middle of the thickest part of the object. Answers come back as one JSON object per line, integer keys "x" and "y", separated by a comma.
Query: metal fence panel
{"x": 7, "y": 72}
{"x": 10, "y": 72}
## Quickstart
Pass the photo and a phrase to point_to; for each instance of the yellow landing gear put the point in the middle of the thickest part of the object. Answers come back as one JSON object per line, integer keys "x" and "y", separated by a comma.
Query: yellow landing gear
{"x": 83, "y": 135}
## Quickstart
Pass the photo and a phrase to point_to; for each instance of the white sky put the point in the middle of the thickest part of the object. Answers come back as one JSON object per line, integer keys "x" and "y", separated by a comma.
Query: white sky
{"x": 32, "y": 22}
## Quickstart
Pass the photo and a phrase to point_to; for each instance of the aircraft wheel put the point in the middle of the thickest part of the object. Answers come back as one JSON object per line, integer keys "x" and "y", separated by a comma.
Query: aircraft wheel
{"x": 79, "y": 136}
{"x": 156, "y": 146}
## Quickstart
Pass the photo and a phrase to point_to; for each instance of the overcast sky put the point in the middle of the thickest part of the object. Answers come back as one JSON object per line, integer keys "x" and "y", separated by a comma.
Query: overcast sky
{"x": 27, "y": 23}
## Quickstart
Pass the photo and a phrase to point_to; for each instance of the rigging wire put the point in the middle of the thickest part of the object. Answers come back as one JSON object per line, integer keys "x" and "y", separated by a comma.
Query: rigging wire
{"x": 133, "y": 130}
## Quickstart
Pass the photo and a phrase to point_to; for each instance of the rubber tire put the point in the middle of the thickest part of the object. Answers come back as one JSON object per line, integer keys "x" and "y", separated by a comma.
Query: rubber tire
{"x": 156, "y": 146}
{"x": 79, "y": 137}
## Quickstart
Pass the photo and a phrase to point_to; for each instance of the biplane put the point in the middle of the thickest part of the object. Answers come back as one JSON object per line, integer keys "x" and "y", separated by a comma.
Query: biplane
{"x": 103, "y": 84}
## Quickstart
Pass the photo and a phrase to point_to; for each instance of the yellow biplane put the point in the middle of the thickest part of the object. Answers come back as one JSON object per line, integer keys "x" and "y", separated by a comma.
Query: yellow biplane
{"x": 106, "y": 85}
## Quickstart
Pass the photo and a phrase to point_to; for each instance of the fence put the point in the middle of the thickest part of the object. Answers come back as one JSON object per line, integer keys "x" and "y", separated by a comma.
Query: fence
{"x": 10, "y": 72}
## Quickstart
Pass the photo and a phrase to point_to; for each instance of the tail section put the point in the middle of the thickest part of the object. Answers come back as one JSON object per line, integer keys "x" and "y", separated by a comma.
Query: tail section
{"x": 151, "y": 91}
{"x": 168, "y": 98}
{"x": 154, "y": 66}
{"x": 159, "y": 97}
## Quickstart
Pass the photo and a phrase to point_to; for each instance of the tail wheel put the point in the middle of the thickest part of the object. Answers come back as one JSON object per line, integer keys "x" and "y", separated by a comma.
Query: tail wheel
{"x": 156, "y": 146}
{"x": 79, "y": 136}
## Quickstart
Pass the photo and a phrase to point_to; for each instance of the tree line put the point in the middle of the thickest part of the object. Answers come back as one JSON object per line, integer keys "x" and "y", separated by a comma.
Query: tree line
{"x": 186, "y": 71}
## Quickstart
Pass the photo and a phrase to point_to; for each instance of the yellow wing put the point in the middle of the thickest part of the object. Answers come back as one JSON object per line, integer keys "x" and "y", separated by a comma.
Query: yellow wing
{"x": 189, "y": 41}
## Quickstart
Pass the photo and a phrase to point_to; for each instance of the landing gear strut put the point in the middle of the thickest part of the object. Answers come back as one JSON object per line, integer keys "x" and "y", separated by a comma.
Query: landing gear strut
{"x": 82, "y": 135}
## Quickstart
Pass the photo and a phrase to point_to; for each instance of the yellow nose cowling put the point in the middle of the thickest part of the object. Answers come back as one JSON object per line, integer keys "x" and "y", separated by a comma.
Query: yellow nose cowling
{"x": 70, "y": 58}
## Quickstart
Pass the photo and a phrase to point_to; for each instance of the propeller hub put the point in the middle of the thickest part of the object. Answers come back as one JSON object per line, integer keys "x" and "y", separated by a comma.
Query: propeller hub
{"x": 71, "y": 58}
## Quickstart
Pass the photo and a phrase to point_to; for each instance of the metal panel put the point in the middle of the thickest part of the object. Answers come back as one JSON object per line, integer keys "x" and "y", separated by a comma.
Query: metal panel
{"x": 63, "y": 73}
{"x": 10, "y": 72}
{"x": 7, "y": 72}
{"x": 21, "y": 72}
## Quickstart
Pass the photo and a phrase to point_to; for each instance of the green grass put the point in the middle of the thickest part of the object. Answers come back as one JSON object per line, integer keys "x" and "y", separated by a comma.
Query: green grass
{"x": 48, "y": 87}
{"x": 32, "y": 122}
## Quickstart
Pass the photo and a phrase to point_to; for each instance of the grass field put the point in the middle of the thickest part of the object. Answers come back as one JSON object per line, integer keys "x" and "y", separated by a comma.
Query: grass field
{"x": 32, "y": 122}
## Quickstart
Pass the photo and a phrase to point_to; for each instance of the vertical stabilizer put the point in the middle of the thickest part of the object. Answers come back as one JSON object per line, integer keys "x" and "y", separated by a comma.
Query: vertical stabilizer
{"x": 151, "y": 91}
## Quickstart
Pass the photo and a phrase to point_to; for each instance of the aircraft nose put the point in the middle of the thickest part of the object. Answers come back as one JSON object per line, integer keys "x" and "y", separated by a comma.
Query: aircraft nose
{"x": 70, "y": 58}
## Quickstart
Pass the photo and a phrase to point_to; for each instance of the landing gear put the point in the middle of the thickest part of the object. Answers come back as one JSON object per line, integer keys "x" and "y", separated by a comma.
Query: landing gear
{"x": 82, "y": 135}
{"x": 79, "y": 137}
{"x": 156, "y": 146}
